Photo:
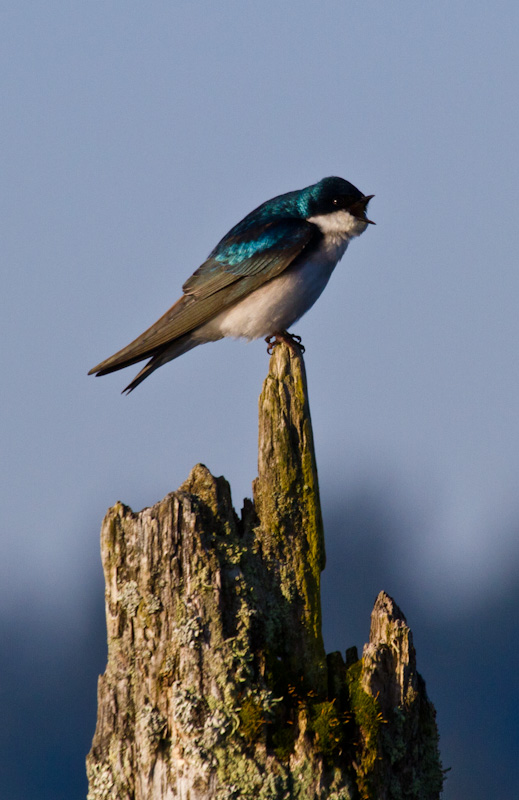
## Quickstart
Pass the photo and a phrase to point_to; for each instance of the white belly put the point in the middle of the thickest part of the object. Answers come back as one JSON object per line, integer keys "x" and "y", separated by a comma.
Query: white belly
{"x": 278, "y": 304}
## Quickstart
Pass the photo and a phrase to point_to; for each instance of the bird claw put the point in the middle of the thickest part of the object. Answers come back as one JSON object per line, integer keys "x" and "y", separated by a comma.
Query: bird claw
{"x": 290, "y": 339}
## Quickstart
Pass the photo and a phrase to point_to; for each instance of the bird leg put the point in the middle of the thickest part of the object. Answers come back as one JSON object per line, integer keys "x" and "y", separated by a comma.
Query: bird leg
{"x": 290, "y": 339}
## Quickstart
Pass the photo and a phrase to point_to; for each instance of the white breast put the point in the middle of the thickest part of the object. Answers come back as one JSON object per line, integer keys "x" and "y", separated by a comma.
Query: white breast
{"x": 280, "y": 302}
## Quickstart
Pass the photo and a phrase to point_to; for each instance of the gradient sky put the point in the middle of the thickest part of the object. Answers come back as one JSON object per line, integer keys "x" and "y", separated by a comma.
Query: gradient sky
{"x": 133, "y": 137}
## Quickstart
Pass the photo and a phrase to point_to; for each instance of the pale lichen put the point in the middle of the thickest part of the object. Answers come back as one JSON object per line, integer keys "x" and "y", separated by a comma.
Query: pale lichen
{"x": 129, "y": 597}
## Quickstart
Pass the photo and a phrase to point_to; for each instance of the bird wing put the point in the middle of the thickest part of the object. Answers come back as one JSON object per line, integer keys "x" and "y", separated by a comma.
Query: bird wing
{"x": 236, "y": 267}
{"x": 265, "y": 250}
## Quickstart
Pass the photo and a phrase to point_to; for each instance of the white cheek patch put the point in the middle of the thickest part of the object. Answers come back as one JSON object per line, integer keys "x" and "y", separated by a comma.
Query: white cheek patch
{"x": 339, "y": 224}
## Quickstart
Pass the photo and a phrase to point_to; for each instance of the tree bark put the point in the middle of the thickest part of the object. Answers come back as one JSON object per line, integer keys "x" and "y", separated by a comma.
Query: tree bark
{"x": 217, "y": 684}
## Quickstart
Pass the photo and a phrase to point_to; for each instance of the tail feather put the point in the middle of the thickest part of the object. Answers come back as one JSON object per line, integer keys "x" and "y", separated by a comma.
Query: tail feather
{"x": 162, "y": 356}
{"x": 115, "y": 363}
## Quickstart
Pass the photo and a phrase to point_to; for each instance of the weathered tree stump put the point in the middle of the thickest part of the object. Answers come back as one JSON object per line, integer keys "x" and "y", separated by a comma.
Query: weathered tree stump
{"x": 217, "y": 683}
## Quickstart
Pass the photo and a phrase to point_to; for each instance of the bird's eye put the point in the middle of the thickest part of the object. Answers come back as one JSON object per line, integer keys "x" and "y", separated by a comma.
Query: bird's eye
{"x": 335, "y": 201}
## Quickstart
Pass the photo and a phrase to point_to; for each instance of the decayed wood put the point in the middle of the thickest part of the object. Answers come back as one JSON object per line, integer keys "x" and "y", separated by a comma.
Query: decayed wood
{"x": 217, "y": 684}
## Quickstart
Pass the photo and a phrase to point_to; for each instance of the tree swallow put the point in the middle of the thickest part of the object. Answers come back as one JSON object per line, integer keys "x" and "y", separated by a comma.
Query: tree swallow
{"x": 259, "y": 280}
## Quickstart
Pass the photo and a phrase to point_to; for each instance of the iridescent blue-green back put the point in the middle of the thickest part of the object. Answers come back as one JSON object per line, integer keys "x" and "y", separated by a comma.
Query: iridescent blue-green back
{"x": 263, "y": 228}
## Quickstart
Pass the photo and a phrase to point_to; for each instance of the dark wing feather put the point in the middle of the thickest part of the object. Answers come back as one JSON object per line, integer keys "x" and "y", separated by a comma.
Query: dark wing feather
{"x": 231, "y": 272}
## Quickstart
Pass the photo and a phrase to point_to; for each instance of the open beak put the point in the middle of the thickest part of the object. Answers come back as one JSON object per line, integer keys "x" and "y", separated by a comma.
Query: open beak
{"x": 358, "y": 209}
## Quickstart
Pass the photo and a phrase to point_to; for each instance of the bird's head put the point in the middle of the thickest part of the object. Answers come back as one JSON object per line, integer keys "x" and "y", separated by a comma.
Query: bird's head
{"x": 336, "y": 206}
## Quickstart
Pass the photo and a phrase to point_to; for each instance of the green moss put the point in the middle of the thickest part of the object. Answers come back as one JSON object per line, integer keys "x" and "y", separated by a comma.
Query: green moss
{"x": 252, "y": 720}
{"x": 365, "y": 708}
{"x": 283, "y": 742}
{"x": 368, "y": 719}
{"x": 325, "y": 724}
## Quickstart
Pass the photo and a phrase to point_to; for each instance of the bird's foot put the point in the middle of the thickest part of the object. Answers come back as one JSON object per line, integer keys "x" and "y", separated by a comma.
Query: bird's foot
{"x": 290, "y": 339}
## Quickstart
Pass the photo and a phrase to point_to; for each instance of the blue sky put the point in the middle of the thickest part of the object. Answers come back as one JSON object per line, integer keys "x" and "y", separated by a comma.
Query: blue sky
{"x": 134, "y": 137}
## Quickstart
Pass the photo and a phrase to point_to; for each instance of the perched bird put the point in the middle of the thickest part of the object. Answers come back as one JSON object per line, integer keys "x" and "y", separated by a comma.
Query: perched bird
{"x": 259, "y": 280}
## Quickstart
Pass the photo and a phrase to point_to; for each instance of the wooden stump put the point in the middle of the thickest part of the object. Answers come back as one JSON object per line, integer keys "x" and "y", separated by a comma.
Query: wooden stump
{"x": 217, "y": 684}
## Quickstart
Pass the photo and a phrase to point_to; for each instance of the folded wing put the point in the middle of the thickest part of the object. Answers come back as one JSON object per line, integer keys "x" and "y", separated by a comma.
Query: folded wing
{"x": 237, "y": 266}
